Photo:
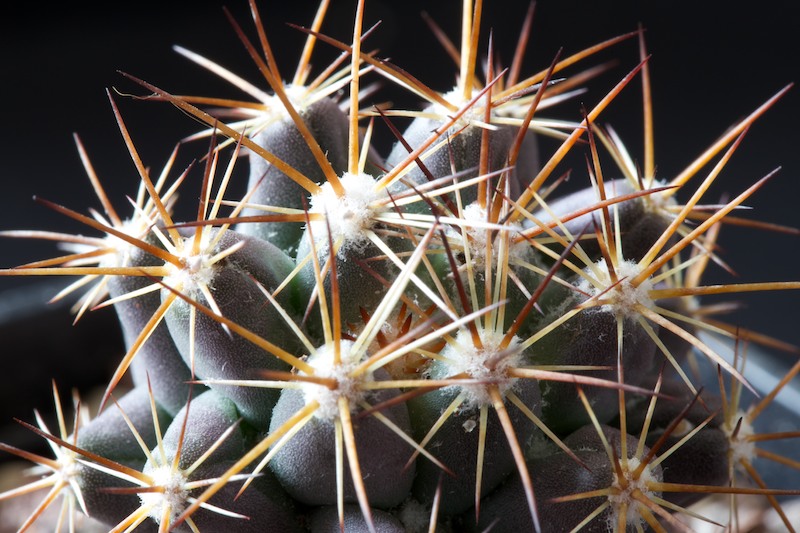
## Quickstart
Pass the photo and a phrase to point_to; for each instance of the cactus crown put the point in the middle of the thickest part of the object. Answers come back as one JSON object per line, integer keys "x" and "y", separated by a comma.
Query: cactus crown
{"x": 430, "y": 338}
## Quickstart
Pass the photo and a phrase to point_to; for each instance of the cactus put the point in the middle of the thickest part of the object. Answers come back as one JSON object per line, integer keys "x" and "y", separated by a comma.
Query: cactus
{"x": 434, "y": 337}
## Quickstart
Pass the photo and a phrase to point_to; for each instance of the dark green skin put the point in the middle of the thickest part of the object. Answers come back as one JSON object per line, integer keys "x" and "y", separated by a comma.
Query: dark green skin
{"x": 465, "y": 149}
{"x": 109, "y": 436}
{"x": 305, "y": 465}
{"x": 358, "y": 287}
{"x": 223, "y": 356}
{"x": 534, "y": 318}
{"x": 329, "y": 126}
{"x": 264, "y": 501}
{"x": 458, "y": 449}
{"x": 640, "y": 226}
{"x": 528, "y": 165}
{"x": 158, "y": 362}
{"x": 209, "y": 415}
{"x": 555, "y": 475}
{"x": 326, "y": 520}
{"x": 590, "y": 338}
{"x": 111, "y": 508}
{"x": 703, "y": 459}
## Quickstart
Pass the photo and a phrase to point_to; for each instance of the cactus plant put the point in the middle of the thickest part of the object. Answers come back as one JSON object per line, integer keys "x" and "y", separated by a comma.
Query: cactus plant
{"x": 433, "y": 337}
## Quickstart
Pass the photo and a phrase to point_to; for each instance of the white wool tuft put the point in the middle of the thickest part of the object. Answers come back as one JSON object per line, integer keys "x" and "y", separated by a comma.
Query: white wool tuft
{"x": 347, "y": 216}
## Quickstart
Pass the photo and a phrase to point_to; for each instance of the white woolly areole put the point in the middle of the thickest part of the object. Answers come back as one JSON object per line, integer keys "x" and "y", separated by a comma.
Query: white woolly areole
{"x": 69, "y": 469}
{"x": 137, "y": 227}
{"x": 297, "y": 95}
{"x": 348, "y": 215}
{"x": 348, "y": 386}
{"x": 488, "y": 365}
{"x": 624, "y": 296}
{"x": 174, "y": 496}
{"x": 456, "y": 97}
{"x": 276, "y": 110}
{"x": 415, "y": 516}
{"x": 197, "y": 269}
{"x": 741, "y": 447}
{"x": 624, "y": 492}
{"x": 476, "y": 237}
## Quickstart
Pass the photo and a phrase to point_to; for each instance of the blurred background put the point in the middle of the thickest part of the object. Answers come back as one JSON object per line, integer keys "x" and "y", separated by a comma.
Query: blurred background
{"x": 711, "y": 65}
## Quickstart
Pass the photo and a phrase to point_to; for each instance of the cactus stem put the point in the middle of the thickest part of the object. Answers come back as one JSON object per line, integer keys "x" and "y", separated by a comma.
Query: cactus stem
{"x": 540, "y": 227}
{"x": 498, "y": 402}
{"x": 635, "y": 485}
{"x": 288, "y": 106}
{"x": 517, "y": 401}
{"x": 446, "y": 413}
{"x": 298, "y": 419}
{"x": 244, "y": 332}
{"x": 431, "y": 285}
{"x": 164, "y": 487}
{"x": 125, "y": 363}
{"x": 345, "y": 425}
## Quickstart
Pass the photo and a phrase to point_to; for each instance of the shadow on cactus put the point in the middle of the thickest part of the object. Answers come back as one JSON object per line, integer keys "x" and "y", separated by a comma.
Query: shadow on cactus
{"x": 429, "y": 339}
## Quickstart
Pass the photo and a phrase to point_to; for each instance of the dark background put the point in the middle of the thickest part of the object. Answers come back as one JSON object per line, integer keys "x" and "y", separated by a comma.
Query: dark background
{"x": 710, "y": 67}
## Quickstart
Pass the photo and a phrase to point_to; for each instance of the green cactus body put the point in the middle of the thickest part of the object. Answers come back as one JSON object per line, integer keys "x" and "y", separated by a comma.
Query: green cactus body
{"x": 157, "y": 362}
{"x": 272, "y": 187}
{"x": 643, "y": 219}
{"x": 327, "y": 520}
{"x": 214, "y": 353}
{"x": 591, "y": 338}
{"x": 108, "y": 435}
{"x": 438, "y": 339}
{"x": 457, "y": 153}
{"x": 305, "y": 464}
{"x": 561, "y": 475}
{"x": 207, "y": 438}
